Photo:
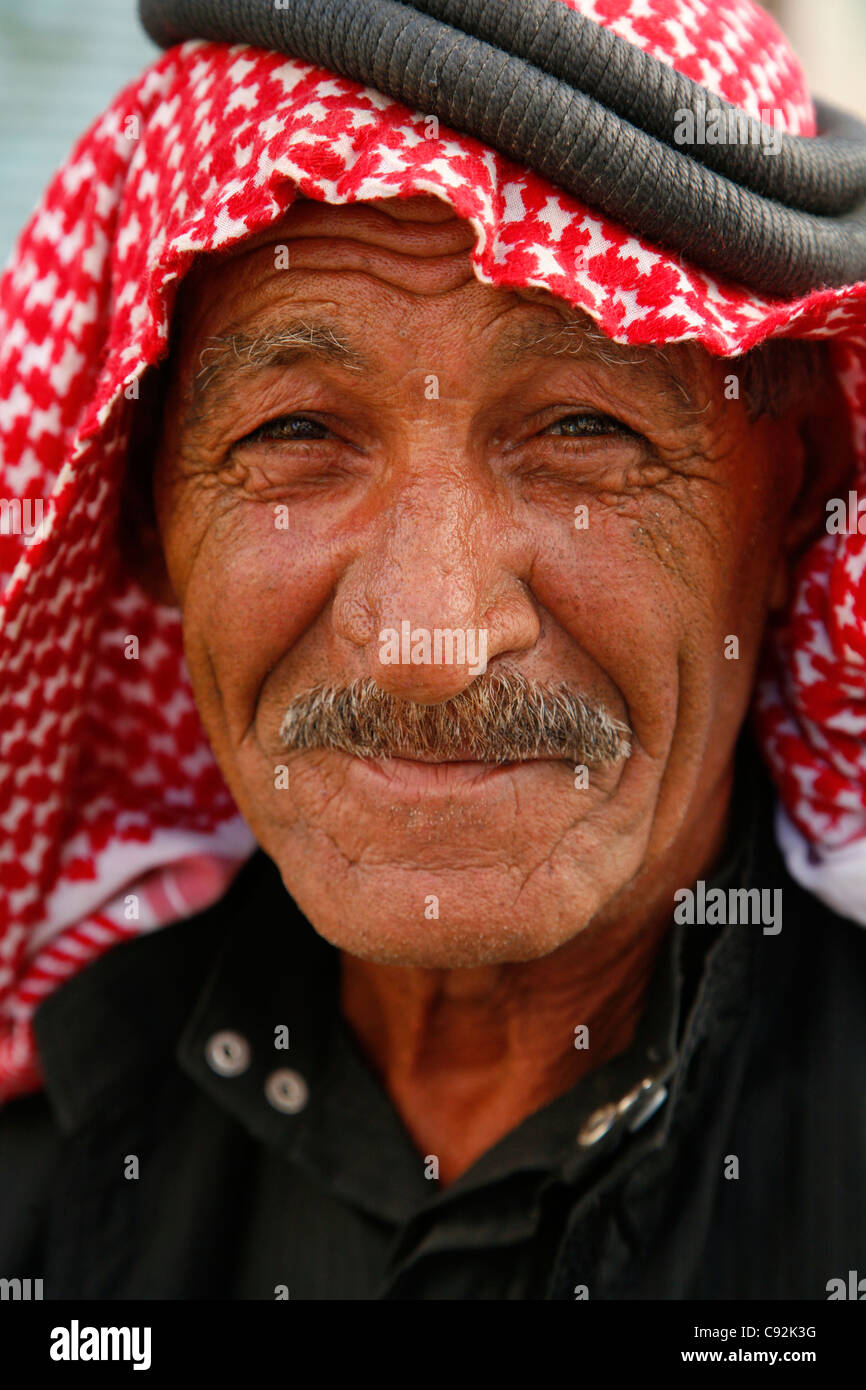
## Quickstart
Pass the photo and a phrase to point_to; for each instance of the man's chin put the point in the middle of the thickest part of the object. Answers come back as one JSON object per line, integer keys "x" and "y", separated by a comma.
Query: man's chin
{"x": 440, "y": 921}
{"x": 450, "y": 865}
{"x": 457, "y": 946}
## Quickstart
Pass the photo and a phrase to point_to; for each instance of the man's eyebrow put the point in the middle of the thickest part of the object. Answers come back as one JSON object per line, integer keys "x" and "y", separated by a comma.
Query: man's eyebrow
{"x": 582, "y": 339}
{"x": 274, "y": 347}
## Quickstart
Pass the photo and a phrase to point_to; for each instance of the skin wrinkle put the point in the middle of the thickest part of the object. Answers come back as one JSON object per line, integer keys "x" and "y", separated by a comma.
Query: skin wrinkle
{"x": 458, "y": 511}
{"x": 693, "y": 514}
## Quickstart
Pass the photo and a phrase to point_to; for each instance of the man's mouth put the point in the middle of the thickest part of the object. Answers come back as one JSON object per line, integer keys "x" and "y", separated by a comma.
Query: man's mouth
{"x": 457, "y": 757}
{"x": 428, "y": 774}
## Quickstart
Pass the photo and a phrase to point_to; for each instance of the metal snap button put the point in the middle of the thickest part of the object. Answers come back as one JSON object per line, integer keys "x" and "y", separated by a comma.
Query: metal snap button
{"x": 596, "y": 1125}
{"x": 286, "y": 1090}
{"x": 651, "y": 1102}
{"x": 635, "y": 1094}
{"x": 228, "y": 1053}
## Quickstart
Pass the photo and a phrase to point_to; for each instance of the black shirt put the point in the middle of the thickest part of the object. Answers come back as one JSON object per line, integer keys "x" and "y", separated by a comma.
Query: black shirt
{"x": 182, "y": 1151}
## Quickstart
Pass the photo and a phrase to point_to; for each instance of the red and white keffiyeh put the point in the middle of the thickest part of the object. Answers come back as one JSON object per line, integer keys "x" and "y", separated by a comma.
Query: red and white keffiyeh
{"x": 110, "y": 799}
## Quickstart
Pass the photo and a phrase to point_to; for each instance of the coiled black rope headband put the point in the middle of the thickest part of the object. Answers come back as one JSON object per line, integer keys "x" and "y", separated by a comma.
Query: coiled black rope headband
{"x": 589, "y": 111}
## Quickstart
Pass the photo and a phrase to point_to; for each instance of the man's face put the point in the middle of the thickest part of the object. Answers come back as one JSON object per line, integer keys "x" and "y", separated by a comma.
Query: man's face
{"x": 379, "y": 439}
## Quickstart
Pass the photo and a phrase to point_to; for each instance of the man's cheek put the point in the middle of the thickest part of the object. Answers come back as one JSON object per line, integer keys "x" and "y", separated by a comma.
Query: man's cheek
{"x": 621, "y": 610}
{"x": 251, "y": 594}
{"x": 248, "y": 565}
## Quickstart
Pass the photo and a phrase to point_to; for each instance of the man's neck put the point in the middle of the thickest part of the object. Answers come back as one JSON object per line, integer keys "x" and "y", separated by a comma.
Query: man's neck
{"x": 465, "y": 1055}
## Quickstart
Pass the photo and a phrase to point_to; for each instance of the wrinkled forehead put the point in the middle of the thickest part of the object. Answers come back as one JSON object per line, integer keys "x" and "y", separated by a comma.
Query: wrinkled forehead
{"x": 415, "y": 243}
{"x": 240, "y": 311}
{"x": 397, "y": 215}
{"x": 408, "y": 249}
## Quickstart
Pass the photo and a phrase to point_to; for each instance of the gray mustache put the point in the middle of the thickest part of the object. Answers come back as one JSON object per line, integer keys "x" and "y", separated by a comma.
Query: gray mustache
{"x": 501, "y": 717}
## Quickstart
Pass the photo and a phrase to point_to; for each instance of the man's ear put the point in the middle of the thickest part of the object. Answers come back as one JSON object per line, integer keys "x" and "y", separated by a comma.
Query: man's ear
{"x": 138, "y": 532}
{"x": 819, "y": 430}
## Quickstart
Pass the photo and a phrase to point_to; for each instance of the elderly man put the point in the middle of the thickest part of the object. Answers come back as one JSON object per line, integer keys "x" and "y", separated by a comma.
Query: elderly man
{"x": 393, "y": 907}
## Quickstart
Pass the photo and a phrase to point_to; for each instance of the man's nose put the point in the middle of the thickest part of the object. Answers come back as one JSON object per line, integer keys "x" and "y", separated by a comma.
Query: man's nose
{"x": 436, "y": 592}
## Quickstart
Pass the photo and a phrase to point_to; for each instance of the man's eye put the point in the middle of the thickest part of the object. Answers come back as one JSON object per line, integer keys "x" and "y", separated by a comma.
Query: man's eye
{"x": 287, "y": 427}
{"x": 580, "y": 425}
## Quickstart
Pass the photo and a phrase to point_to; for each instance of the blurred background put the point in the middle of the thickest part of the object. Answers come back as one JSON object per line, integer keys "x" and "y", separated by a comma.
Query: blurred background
{"x": 62, "y": 62}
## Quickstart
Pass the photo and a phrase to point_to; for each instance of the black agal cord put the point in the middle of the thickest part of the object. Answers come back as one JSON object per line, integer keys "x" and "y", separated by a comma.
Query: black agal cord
{"x": 592, "y": 113}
